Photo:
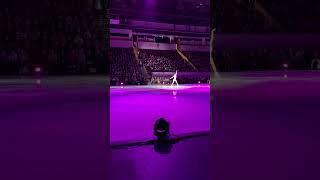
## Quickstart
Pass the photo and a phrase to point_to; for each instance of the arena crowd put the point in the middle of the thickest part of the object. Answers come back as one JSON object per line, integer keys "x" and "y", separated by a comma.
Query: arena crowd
{"x": 127, "y": 69}
{"x": 58, "y": 36}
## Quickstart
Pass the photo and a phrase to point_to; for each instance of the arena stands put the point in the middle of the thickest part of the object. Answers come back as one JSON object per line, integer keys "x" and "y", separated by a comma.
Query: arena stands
{"x": 200, "y": 60}
{"x": 59, "y": 36}
{"x": 164, "y": 61}
{"x": 125, "y": 68}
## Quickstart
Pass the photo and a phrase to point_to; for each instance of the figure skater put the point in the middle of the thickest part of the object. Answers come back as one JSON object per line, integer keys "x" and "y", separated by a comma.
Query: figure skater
{"x": 174, "y": 77}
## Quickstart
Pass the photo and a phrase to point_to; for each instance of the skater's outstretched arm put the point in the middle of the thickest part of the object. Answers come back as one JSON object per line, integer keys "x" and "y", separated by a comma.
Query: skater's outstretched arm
{"x": 175, "y": 74}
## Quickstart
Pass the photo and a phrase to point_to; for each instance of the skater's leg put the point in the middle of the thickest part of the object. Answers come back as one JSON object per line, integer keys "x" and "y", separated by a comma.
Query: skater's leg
{"x": 175, "y": 81}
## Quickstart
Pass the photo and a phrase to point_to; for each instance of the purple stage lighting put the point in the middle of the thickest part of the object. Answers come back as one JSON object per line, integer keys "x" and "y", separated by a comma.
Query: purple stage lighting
{"x": 135, "y": 108}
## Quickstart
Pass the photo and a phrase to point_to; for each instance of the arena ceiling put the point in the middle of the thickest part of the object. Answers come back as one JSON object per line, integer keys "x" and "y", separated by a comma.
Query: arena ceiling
{"x": 193, "y": 12}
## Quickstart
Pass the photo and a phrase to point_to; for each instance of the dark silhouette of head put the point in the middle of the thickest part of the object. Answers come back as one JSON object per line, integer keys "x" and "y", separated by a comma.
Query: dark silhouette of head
{"x": 162, "y": 129}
